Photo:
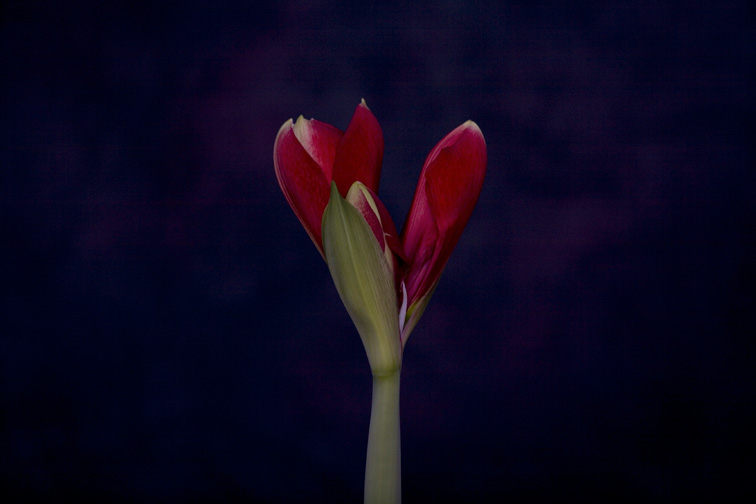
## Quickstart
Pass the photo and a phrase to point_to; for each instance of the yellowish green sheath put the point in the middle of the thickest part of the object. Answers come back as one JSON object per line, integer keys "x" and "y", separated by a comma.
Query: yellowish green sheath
{"x": 365, "y": 282}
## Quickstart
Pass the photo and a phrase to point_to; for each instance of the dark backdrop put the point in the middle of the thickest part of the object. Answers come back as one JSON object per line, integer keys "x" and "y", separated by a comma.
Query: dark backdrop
{"x": 170, "y": 334}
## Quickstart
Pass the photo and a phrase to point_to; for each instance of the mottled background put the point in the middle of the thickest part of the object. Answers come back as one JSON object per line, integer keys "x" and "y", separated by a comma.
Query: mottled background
{"x": 168, "y": 333}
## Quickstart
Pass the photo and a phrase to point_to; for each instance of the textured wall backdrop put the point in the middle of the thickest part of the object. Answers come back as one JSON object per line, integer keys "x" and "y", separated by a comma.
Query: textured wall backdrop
{"x": 168, "y": 333}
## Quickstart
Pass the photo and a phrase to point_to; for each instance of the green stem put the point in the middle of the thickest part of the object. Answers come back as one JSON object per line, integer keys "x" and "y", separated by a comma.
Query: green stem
{"x": 383, "y": 470}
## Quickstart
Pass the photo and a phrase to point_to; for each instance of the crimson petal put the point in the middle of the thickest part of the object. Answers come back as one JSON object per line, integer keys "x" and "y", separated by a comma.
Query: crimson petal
{"x": 360, "y": 153}
{"x": 448, "y": 189}
{"x": 304, "y": 181}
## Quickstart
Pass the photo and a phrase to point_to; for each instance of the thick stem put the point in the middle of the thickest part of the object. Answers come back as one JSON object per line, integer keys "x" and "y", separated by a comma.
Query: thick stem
{"x": 383, "y": 470}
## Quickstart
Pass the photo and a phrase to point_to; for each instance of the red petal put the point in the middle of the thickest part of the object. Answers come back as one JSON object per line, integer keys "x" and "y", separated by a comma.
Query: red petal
{"x": 446, "y": 195}
{"x": 382, "y": 224}
{"x": 302, "y": 179}
{"x": 320, "y": 140}
{"x": 357, "y": 198}
{"x": 360, "y": 152}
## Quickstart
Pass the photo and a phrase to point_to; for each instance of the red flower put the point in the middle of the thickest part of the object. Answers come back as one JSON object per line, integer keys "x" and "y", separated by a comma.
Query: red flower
{"x": 308, "y": 155}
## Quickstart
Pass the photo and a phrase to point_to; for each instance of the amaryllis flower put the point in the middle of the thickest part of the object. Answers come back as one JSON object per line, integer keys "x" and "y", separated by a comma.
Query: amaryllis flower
{"x": 385, "y": 280}
{"x": 309, "y": 155}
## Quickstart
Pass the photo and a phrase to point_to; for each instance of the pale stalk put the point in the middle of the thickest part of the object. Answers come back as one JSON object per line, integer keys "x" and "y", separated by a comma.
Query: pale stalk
{"x": 383, "y": 470}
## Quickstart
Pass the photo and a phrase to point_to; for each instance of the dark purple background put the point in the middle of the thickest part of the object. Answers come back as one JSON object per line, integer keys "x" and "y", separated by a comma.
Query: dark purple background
{"x": 169, "y": 334}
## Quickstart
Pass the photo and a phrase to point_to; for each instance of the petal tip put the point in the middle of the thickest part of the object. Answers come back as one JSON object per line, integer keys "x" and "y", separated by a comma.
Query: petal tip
{"x": 300, "y": 127}
{"x": 472, "y": 127}
{"x": 470, "y": 124}
{"x": 288, "y": 124}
